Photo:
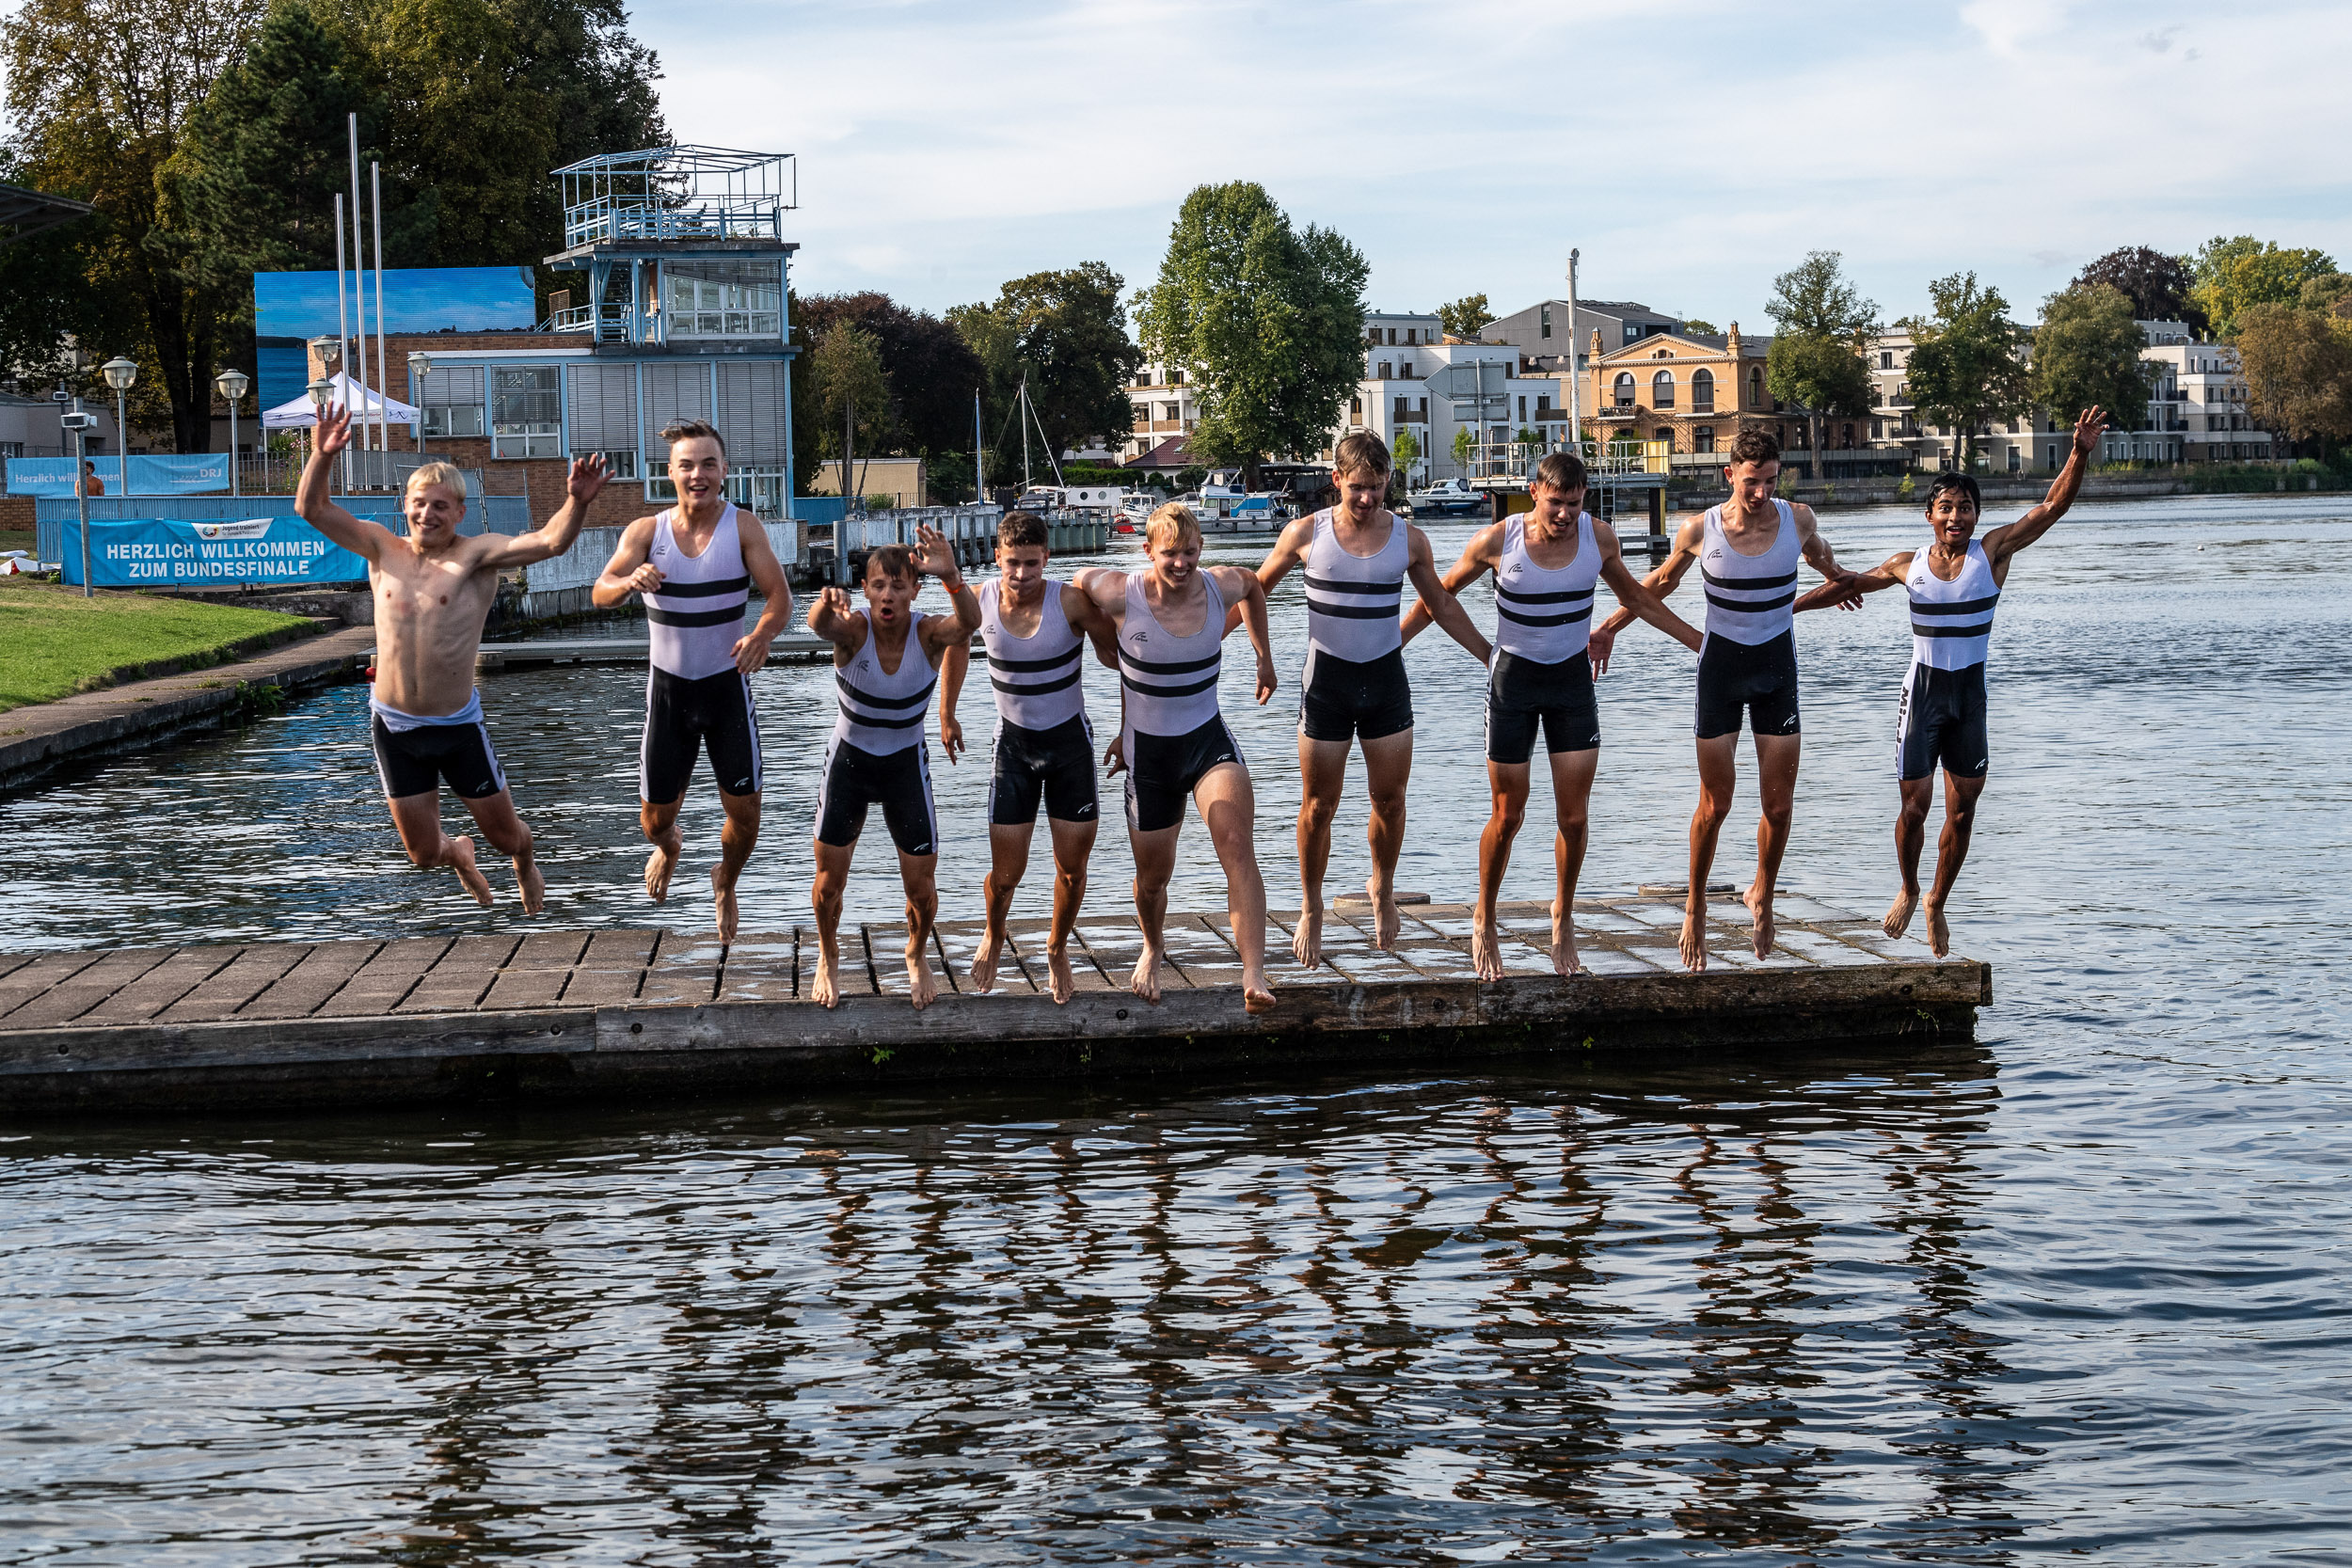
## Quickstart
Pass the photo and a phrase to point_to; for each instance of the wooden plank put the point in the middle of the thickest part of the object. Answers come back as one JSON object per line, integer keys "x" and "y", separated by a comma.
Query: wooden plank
{"x": 958, "y": 938}
{"x": 760, "y": 966}
{"x": 84, "y": 987}
{"x": 1032, "y": 935}
{"x": 1451, "y": 926}
{"x": 1207, "y": 954}
{"x": 253, "y": 971}
{"x": 1347, "y": 950}
{"x": 161, "y": 986}
{"x": 317, "y": 975}
{"x": 377, "y": 987}
{"x": 1117, "y": 946}
{"x": 12, "y": 962}
{"x": 685, "y": 971}
{"x": 613, "y": 970}
{"x": 537, "y": 973}
{"x": 462, "y": 977}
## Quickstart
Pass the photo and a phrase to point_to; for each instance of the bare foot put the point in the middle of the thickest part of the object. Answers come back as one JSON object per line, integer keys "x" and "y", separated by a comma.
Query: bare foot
{"x": 983, "y": 971}
{"x": 532, "y": 886}
{"x": 1939, "y": 931}
{"x": 1758, "y": 898}
{"x": 1058, "y": 972}
{"x": 1307, "y": 941}
{"x": 461, "y": 861}
{"x": 1385, "y": 922}
{"x": 1564, "y": 961}
{"x": 1486, "y": 951}
{"x": 920, "y": 980}
{"x": 1256, "y": 995}
{"x": 826, "y": 991}
{"x": 1694, "y": 938}
{"x": 723, "y": 897}
{"x": 660, "y": 864}
{"x": 1145, "y": 982}
{"x": 1897, "y": 919}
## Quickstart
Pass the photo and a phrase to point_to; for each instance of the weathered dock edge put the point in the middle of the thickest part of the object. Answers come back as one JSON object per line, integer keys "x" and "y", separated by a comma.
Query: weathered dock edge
{"x": 688, "y": 1051}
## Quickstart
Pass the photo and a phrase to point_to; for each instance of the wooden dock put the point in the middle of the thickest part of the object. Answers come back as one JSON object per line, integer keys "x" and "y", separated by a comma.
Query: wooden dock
{"x": 556, "y": 1015}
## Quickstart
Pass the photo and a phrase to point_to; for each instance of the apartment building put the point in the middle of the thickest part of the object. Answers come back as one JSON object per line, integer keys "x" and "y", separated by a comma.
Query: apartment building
{"x": 1164, "y": 414}
{"x": 1416, "y": 380}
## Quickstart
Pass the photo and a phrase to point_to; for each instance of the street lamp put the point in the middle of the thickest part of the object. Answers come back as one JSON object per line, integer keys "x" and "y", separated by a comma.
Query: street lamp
{"x": 320, "y": 391}
{"x": 420, "y": 366}
{"x": 232, "y": 383}
{"x": 120, "y": 373}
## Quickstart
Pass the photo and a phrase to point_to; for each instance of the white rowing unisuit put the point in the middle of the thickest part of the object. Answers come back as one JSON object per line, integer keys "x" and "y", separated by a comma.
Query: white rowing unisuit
{"x": 1354, "y": 602}
{"x": 882, "y": 710}
{"x": 1170, "y": 680}
{"x": 1951, "y": 623}
{"x": 1545, "y": 613}
{"x": 1748, "y": 596}
{"x": 696, "y": 618}
{"x": 1038, "y": 678}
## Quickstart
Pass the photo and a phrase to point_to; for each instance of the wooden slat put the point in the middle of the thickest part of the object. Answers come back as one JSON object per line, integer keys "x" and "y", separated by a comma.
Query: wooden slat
{"x": 1208, "y": 955}
{"x": 760, "y": 967}
{"x": 612, "y": 971}
{"x": 960, "y": 939}
{"x": 317, "y": 975}
{"x": 536, "y": 973}
{"x": 12, "y": 962}
{"x": 253, "y": 971}
{"x": 1031, "y": 935}
{"x": 1448, "y": 925}
{"x": 379, "y": 984}
{"x": 161, "y": 986}
{"x": 685, "y": 971}
{"x": 1116, "y": 945}
{"x": 886, "y": 954}
{"x": 463, "y": 976}
{"x": 85, "y": 987}
{"x": 1348, "y": 931}
{"x": 1347, "y": 953}
{"x": 1599, "y": 936}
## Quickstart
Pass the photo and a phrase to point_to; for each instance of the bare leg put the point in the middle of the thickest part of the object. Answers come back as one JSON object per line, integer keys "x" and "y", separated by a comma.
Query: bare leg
{"x": 1074, "y": 842}
{"x": 1571, "y": 790}
{"x": 1911, "y": 833}
{"x": 1387, "y": 768}
{"x": 824, "y": 896}
{"x": 1508, "y": 782}
{"x": 417, "y": 818}
{"x": 736, "y": 840}
{"x": 658, "y": 821}
{"x": 1718, "y": 773}
{"x": 1960, "y": 821}
{"x": 495, "y": 816}
{"x": 1229, "y": 806}
{"x": 1776, "y": 757}
{"x": 919, "y": 875}
{"x": 1321, "y": 769}
{"x": 1155, "y": 861}
{"x": 1007, "y": 861}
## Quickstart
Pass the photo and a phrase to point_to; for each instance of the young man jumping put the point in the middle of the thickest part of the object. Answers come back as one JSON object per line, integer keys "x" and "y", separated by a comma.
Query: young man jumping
{"x": 1170, "y": 621}
{"x": 885, "y": 662}
{"x": 1036, "y": 630}
{"x": 433, "y": 591}
{"x": 1546, "y": 563}
{"x": 695, "y": 565}
{"x": 1940, "y": 720}
{"x": 1358, "y": 555}
{"x": 1747, "y": 550}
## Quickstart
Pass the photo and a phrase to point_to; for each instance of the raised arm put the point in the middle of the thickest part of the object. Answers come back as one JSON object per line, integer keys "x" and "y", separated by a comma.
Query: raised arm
{"x": 767, "y": 574}
{"x": 554, "y": 536}
{"x": 628, "y": 571}
{"x": 2002, "y": 543}
{"x": 831, "y": 617}
{"x": 935, "y": 557}
{"x": 1635, "y": 596}
{"x": 1479, "y": 555}
{"x": 311, "y": 503}
{"x": 1438, "y": 600}
{"x": 1248, "y": 595}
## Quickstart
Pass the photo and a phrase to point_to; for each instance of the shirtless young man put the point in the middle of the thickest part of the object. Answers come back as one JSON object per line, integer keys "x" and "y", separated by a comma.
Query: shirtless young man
{"x": 1545, "y": 563}
{"x": 1171, "y": 626}
{"x": 1940, "y": 719}
{"x": 885, "y": 662}
{"x": 695, "y": 565}
{"x": 432, "y": 592}
{"x": 1358, "y": 555}
{"x": 1747, "y": 550}
{"x": 1036, "y": 629}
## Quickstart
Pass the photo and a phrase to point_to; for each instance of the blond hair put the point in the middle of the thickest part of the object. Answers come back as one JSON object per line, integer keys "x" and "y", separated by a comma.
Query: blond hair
{"x": 1169, "y": 525}
{"x": 438, "y": 472}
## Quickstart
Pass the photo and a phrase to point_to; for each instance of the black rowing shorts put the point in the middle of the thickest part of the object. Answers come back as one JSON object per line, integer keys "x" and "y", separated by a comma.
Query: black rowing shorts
{"x": 1755, "y": 678}
{"x": 1056, "y": 765}
{"x": 415, "y": 761}
{"x": 1341, "y": 700}
{"x": 1164, "y": 769}
{"x": 1941, "y": 722}
{"x": 1523, "y": 694}
{"x": 899, "y": 782}
{"x": 684, "y": 717}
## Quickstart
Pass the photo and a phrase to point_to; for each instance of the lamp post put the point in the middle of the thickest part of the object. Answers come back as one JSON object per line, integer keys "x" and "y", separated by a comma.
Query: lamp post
{"x": 79, "y": 423}
{"x": 420, "y": 366}
{"x": 120, "y": 373}
{"x": 232, "y": 383}
{"x": 320, "y": 391}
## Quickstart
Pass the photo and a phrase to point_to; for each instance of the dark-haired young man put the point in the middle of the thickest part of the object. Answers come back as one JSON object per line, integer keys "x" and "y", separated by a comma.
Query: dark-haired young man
{"x": 1036, "y": 629}
{"x": 695, "y": 565}
{"x": 1941, "y": 719}
{"x": 1358, "y": 555}
{"x": 1747, "y": 551}
{"x": 1546, "y": 563}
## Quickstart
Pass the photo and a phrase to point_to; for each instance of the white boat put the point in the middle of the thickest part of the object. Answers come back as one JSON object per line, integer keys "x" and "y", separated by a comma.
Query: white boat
{"x": 1450, "y": 498}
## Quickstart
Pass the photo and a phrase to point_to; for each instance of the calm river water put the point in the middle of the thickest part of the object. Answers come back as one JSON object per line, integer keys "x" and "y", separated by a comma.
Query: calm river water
{"x": 2078, "y": 1290}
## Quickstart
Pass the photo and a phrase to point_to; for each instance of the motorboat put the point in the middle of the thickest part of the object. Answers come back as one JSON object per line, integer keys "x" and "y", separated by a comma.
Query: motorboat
{"x": 1448, "y": 498}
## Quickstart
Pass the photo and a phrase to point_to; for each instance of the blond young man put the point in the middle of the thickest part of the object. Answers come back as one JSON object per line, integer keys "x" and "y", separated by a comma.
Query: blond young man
{"x": 433, "y": 591}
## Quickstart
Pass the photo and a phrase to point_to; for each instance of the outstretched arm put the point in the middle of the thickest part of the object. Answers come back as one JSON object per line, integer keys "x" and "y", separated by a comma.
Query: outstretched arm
{"x": 1847, "y": 590}
{"x": 1633, "y": 596}
{"x": 1437, "y": 602}
{"x": 2002, "y": 543}
{"x": 1818, "y": 554}
{"x": 1290, "y": 548}
{"x": 362, "y": 538}
{"x": 1091, "y": 620}
{"x": 831, "y": 618}
{"x": 1249, "y": 596}
{"x": 554, "y": 536}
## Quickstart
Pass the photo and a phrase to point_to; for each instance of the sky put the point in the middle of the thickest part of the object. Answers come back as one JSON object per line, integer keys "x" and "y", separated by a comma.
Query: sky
{"x": 1690, "y": 148}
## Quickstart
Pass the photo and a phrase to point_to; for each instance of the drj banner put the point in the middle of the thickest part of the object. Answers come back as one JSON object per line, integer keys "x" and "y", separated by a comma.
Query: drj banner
{"x": 163, "y": 474}
{"x": 155, "y": 552}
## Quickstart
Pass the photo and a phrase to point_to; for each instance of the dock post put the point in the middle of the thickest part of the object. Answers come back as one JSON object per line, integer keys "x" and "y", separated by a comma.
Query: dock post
{"x": 1658, "y": 512}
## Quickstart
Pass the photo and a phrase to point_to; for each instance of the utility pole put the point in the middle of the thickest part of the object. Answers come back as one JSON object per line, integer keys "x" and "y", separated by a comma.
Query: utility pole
{"x": 1024, "y": 432}
{"x": 1576, "y": 376}
{"x": 841, "y": 533}
{"x": 979, "y": 475}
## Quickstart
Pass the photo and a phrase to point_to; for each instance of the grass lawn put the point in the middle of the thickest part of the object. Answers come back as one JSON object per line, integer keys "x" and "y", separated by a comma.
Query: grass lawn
{"x": 17, "y": 539}
{"x": 53, "y": 643}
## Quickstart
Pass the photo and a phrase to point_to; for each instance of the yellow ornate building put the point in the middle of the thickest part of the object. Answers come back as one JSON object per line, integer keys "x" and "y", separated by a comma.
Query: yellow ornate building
{"x": 1696, "y": 391}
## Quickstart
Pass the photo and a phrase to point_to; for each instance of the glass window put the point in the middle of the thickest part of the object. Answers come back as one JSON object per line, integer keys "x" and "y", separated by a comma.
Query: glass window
{"x": 1756, "y": 386}
{"x": 1701, "y": 391}
{"x": 1625, "y": 390}
{"x": 526, "y": 412}
{"x": 1547, "y": 323}
{"x": 1703, "y": 439}
{"x": 722, "y": 299}
{"x": 1662, "y": 389}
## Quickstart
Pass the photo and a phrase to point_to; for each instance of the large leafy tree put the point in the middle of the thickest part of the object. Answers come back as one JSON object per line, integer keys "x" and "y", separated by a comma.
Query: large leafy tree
{"x": 2086, "y": 352}
{"x": 2299, "y": 369}
{"x": 850, "y": 392}
{"x": 1065, "y": 334}
{"x": 932, "y": 372}
{"x": 1822, "y": 326}
{"x": 1968, "y": 364}
{"x": 1466, "y": 317}
{"x": 2160, "y": 287}
{"x": 2235, "y": 275}
{"x": 1269, "y": 320}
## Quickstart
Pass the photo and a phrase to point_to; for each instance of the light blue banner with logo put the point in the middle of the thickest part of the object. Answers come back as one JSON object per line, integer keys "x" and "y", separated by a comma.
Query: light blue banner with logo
{"x": 155, "y": 552}
{"x": 169, "y": 474}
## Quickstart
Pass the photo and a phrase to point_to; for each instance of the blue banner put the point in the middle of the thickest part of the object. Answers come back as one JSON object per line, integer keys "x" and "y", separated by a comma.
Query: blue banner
{"x": 155, "y": 552}
{"x": 169, "y": 474}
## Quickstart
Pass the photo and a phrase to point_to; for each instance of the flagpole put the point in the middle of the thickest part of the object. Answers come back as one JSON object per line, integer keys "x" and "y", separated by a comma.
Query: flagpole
{"x": 383, "y": 365}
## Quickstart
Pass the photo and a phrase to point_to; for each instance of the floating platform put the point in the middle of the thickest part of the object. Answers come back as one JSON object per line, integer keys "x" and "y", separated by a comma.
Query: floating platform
{"x": 565, "y": 1015}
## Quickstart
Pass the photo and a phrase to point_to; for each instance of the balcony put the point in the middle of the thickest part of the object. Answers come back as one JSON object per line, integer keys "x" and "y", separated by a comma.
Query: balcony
{"x": 668, "y": 194}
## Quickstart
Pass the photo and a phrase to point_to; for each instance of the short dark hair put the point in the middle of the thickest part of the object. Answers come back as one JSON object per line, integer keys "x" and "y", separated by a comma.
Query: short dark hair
{"x": 1022, "y": 528}
{"x": 895, "y": 560}
{"x": 1361, "y": 453}
{"x": 1951, "y": 479}
{"x": 1562, "y": 471}
{"x": 1755, "y": 446}
{"x": 690, "y": 430}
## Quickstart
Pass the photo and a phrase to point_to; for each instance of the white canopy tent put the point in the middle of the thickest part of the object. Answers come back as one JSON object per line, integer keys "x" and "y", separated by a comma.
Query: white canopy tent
{"x": 366, "y": 404}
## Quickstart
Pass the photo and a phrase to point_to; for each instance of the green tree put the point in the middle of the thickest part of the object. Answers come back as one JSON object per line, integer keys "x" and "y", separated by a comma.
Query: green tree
{"x": 1692, "y": 323}
{"x": 932, "y": 372}
{"x": 2160, "y": 287}
{"x": 1065, "y": 334}
{"x": 850, "y": 392}
{"x": 1815, "y": 362}
{"x": 1266, "y": 319}
{"x": 2299, "y": 370}
{"x": 1968, "y": 360}
{"x": 2233, "y": 274}
{"x": 2087, "y": 352}
{"x": 1466, "y": 317}
{"x": 1465, "y": 447}
{"x": 1406, "y": 452}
